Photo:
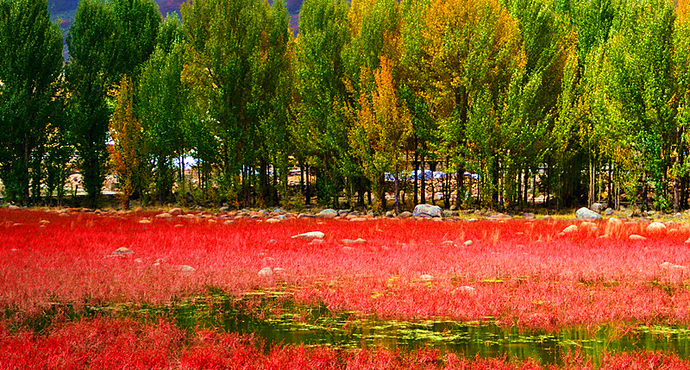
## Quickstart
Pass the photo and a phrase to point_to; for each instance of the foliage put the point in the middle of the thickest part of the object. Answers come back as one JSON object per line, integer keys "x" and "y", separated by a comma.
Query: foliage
{"x": 30, "y": 64}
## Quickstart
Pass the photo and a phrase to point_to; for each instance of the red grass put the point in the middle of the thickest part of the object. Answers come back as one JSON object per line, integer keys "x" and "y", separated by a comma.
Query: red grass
{"x": 524, "y": 274}
{"x": 126, "y": 344}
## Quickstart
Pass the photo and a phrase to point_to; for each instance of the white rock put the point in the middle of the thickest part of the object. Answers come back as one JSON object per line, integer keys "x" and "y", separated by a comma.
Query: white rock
{"x": 637, "y": 237}
{"x": 310, "y": 235}
{"x": 570, "y": 229}
{"x": 266, "y": 271}
{"x": 656, "y": 228}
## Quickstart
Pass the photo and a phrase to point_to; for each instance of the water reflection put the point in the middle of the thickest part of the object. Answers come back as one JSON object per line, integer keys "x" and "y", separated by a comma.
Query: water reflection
{"x": 483, "y": 339}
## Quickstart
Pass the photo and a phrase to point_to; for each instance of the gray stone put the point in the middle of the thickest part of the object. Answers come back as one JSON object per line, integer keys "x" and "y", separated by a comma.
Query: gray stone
{"x": 343, "y": 212}
{"x": 528, "y": 216}
{"x": 310, "y": 235}
{"x": 164, "y": 215}
{"x": 327, "y": 213}
{"x": 427, "y": 210}
{"x": 406, "y": 214}
{"x": 186, "y": 269}
{"x": 608, "y": 212}
{"x": 449, "y": 213}
{"x": 266, "y": 271}
{"x": 678, "y": 215}
{"x": 585, "y": 213}
{"x": 13, "y": 207}
{"x": 224, "y": 209}
{"x": 597, "y": 207}
{"x": 390, "y": 214}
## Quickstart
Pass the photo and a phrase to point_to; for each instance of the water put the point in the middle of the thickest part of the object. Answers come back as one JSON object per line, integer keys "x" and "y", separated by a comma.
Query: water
{"x": 317, "y": 326}
{"x": 274, "y": 317}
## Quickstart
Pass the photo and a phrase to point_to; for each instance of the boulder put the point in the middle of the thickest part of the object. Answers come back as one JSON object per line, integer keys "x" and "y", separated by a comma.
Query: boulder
{"x": 266, "y": 271}
{"x": 145, "y": 221}
{"x": 570, "y": 229}
{"x": 122, "y": 251}
{"x": 637, "y": 237}
{"x": 175, "y": 211}
{"x": 427, "y": 210}
{"x": 186, "y": 269}
{"x": 164, "y": 215}
{"x": 354, "y": 241}
{"x": 656, "y": 228}
{"x": 597, "y": 207}
{"x": 327, "y": 213}
{"x": 529, "y": 216}
{"x": 272, "y": 220}
{"x": 608, "y": 212}
{"x": 406, "y": 214}
{"x": 310, "y": 235}
{"x": 585, "y": 213}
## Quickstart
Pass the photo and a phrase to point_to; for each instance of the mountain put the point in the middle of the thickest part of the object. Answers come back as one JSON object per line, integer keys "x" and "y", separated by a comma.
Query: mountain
{"x": 64, "y": 10}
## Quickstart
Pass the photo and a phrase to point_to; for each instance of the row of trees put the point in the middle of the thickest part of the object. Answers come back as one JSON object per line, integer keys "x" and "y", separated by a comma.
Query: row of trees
{"x": 589, "y": 98}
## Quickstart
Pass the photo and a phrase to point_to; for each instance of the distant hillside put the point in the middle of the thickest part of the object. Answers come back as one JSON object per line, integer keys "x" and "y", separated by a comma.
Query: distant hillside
{"x": 65, "y": 9}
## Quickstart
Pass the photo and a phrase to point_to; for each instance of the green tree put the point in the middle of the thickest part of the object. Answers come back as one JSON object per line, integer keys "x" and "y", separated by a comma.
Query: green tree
{"x": 224, "y": 37}
{"x": 161, "y": 99}
{"x": 30, "y": 63}
{"x": 320, "y": 128}
{"x": 89, "y": 41}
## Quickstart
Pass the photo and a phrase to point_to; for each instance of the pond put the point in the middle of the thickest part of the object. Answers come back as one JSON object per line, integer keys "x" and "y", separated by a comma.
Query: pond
{"x": 317, "y": 326}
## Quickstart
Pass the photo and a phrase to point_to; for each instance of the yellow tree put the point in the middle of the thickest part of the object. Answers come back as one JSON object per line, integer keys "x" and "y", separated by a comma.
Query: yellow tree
{"x": 125, "y": 132}
{"x": 382, "y": 127}
{"x": 472, "y": 53}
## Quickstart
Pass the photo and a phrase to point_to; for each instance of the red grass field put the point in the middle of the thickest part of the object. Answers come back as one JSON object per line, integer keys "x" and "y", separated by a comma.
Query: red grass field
{"x": 515, "y": 274}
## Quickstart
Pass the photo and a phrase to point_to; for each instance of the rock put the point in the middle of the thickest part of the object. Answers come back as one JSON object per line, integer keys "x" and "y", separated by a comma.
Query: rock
{"x": 122, "y": 251}
{"x": 175, "y": 211}
{"x": 343, "y": 212}
{"x": 501, "y": 216}
{"x": 355, "y": 241}
{"x": 373, "y": 214}
{"x": 427, "y": 210}
{"x": 656, "y": 228}
{"x": 468, "y": 243}
{"x": 359, "y": 219}
{"x": 570, "y": 229}
{"x": 597, "y": 207}
{"x": 390, "y": 214}
{"x": 585, "y": 213}
{"x": 186, "y": 269}
{"x": 426, "y": 277}
{"x": 615, "y": 221}
{"x": 671, "y": 266}
{"x": 13, "y": 207}
{"x": 304, "y": 215}
{"x": 449, "y": 213}
{"x": 406, "y": 214}
{"x": 467, "y": 289}
{"x": 310, "y": 235}
{"x": 447, "y": 243}
{"x": 144, "y": 221}
{"x": 327, "y": 213}
{"x": 266, "y": 271}
{"x": 636, "y": 237}
{"x": 164, "y": 215}
{"x": 608, "y": 212}
{"x": 272, "y": 220}
{"x": 678, "y": 215}
{"x": 528, "y": 216}
{"x": 178, "y": 225}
